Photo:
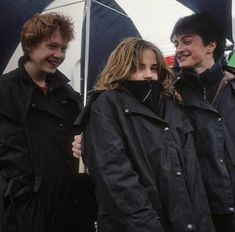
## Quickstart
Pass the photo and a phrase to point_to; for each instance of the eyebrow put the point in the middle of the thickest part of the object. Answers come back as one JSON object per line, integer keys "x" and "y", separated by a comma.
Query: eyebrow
{"x": 187, "y": 36}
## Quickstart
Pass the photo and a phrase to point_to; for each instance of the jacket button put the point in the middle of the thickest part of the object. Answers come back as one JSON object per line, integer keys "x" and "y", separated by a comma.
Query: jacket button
{"x": 64, "y": 101}
{"x": 219, "y": 119}
{"x": 127, "y": 110}
{"x": 221, "y": 161}
{"x": 166, "y": 128}
{"x": 189, "y": 227}
{"x": 61, "y": 124}
{"x": 178, "y": 173}
{"x": 231, "y": 209}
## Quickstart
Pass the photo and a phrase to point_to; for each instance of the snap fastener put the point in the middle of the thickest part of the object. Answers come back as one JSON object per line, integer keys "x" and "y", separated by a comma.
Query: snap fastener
{"x": 221, "y": 161}
{"x": 189, "y": 226}
{"x": 64, "y": 101}
{"x": 178, "y": 173}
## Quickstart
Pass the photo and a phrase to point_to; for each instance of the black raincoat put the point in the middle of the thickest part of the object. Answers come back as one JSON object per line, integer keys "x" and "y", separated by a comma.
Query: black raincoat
{"x": 146, "y": 174}
{"x": 38, "y": 175}
{"x": 212, "y": 113}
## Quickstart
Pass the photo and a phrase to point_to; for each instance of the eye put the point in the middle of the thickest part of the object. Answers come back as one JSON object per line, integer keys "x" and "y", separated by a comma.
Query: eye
{"x": 155, "y": 68}
{"x": 63, "y": 49}
{"x": 176, "y": 43}
{"x": 52, "y": 46}
{"x": 187, "y": 42}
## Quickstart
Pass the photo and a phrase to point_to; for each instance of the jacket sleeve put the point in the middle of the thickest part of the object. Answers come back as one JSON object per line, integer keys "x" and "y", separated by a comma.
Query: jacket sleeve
{"x": 121, "y": 195}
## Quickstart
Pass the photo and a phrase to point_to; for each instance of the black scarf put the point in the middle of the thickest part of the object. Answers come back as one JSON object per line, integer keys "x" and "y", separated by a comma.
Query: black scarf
{"x": 148, "y": 92}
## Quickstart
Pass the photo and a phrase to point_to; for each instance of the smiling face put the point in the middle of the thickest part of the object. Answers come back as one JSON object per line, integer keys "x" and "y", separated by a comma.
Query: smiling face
{"x": 47, "y": 55}
{"x": 192, "y": 53}
{"x": 148, "y": 69}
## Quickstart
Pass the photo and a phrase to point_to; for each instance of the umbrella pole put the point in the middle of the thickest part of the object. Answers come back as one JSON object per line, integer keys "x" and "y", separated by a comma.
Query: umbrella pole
{"x": 82, "y": 168}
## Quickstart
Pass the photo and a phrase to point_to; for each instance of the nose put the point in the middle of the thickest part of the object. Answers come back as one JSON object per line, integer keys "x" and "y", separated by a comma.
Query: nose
{"x": 59, "y": 53}
{"x": 148, "y": 75}
{"x": 179, "y": 47}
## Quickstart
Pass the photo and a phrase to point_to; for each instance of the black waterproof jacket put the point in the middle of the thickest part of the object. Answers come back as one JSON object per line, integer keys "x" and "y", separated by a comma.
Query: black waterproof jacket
{"x": 38, "y": 174}
{"x": 214, "y": 131}
{"x": 146, "y": 174}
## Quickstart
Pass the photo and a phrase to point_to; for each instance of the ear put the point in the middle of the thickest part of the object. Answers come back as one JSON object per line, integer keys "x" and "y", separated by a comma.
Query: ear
{"x": 211, "y": 47}
{"x": 28, "y": 49}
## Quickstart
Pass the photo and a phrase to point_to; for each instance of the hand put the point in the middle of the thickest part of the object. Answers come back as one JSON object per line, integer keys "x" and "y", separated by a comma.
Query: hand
{"x": 76, "y": 146}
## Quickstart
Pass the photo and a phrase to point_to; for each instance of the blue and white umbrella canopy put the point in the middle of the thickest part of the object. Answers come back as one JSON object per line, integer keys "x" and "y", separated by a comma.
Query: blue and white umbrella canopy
{"x": 109, "y": 22}
{"x": 13, "y": 14}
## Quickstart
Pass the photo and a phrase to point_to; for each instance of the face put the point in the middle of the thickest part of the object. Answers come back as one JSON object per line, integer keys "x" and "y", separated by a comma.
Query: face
{"x": 49, "y": 54}
{"x": 192, "y": 53}
{"x": 148, "y": 67}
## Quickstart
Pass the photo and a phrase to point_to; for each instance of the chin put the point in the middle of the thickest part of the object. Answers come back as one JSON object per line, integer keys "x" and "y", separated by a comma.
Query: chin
{"x": 185, "y": 65}
{"x": 50, "y": 71}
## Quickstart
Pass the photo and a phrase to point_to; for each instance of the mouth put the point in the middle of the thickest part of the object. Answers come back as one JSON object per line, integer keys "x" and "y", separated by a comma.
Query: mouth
{"x": 183, "y": 57}
{"x": 54, "y": 63}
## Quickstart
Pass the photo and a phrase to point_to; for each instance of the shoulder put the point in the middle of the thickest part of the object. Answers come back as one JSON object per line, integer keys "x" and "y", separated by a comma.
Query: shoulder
{"x": 64, "y": 89}
{"x": 10, "y": 76}
{"x": 11, "y": 83}
{"x": 109, "y": 97}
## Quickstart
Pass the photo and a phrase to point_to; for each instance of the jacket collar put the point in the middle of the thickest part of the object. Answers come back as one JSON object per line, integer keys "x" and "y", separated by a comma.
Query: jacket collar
{"x": 16, "y": 90}
{"x": 54, "y": 81}
{"x": 230, "y": 73}
{"x": 133, "y": 106}
{"x": 190, "y": 95}
{"x": 189, "y": 84}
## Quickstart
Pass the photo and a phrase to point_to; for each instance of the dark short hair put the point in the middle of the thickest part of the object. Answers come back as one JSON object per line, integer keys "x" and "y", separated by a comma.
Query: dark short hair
{"x": 206, "y": 27}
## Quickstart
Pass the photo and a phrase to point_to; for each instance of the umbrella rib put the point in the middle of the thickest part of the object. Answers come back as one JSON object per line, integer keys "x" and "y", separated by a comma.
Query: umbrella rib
{"x": 68, "y": 4}
{"x": 110, "y": 8}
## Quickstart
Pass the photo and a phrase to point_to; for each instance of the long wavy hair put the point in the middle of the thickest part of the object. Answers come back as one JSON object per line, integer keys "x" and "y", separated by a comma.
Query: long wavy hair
{"x": 126, "y": 59}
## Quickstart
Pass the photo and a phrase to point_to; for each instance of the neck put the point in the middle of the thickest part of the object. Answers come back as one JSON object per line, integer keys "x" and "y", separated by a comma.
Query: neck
{"x": 203, "y": 67}
{"x": 36, "y": 75}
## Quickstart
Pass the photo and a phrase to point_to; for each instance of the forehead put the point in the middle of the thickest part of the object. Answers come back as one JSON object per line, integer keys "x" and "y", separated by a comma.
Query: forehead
{"x": 55, "y": 37}
{"x": 187, "y": 36}
{"x": 148, "y": 54}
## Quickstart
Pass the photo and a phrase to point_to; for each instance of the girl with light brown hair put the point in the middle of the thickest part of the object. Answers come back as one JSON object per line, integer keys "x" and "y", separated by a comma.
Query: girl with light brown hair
{"x": 139, "y": 149}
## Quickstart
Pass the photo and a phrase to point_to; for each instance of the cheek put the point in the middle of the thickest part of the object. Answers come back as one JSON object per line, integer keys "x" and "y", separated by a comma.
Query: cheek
{"x": 136, "y": 76}
{"x": 155, "y": 76}
{"x": 198, "y": 54}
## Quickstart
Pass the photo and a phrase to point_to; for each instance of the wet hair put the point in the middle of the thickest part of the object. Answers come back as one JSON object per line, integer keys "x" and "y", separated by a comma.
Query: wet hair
{"x": 126, "y": 59}
{"x": 41, "y": 26}
{"x": 206, "y": 27}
